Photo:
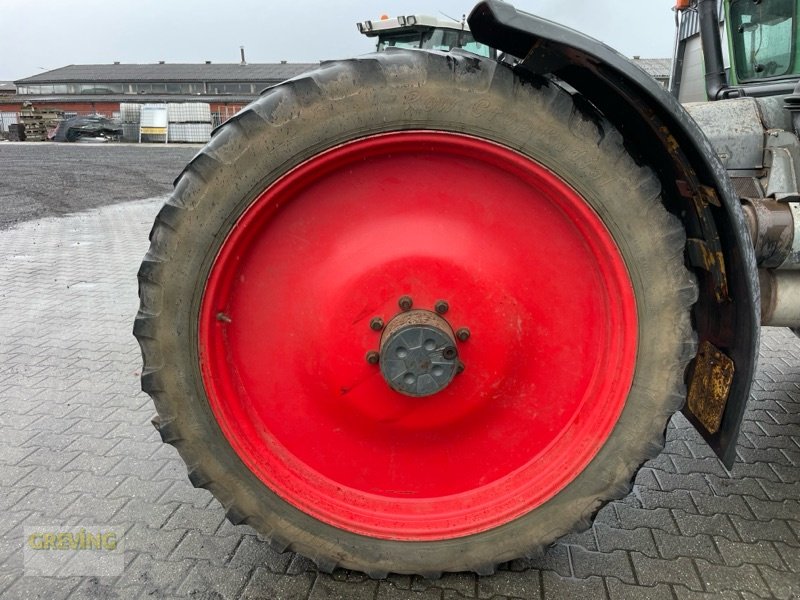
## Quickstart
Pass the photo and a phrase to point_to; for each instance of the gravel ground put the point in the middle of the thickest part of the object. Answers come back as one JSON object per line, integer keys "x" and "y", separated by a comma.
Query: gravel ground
{"x": 42, "y": 179}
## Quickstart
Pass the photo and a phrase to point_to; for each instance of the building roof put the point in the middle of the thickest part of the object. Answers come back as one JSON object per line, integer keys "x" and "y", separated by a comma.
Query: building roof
{"x": 8, "y": 87}
{"x": 170, "y": 72}
{"x": 658, "y": 68}
{"x": 132, "y": 98}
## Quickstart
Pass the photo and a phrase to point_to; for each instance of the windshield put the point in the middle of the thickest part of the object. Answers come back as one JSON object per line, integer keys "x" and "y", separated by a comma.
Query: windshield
{"x": 399, "y": 40}
{"x": 764, "y": 39}
{"x": 434, "y": 39}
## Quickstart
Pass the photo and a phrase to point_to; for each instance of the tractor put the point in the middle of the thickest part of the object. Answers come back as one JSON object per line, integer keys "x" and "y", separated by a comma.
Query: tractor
{"x": 425, "y": 311}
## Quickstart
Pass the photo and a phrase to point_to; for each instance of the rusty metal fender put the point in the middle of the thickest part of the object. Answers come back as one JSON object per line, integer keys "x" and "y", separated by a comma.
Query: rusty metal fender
{"x": 659, "y": 133}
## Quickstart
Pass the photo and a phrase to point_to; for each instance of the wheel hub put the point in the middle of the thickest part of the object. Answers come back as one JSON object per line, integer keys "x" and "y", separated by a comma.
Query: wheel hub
{"x": 418, "y": 355}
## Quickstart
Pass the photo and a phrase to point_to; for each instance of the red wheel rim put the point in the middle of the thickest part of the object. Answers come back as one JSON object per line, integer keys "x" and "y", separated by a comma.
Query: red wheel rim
{"x": 522, "y": 260}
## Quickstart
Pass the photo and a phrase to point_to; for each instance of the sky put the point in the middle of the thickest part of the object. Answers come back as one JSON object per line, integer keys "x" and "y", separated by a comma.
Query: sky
{"x": 193, "y": 31}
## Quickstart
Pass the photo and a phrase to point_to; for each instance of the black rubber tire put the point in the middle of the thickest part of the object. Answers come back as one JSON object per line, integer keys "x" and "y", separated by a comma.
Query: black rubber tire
{"x": 344, "y": 100}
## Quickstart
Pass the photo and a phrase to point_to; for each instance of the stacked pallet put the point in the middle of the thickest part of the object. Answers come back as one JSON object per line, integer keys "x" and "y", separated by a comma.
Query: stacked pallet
{"x": 189, "y": 122}
{"x": 38, "y": 122}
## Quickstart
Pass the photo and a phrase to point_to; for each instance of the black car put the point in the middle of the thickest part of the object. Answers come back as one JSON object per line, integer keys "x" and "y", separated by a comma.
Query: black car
{"x": 75, "y": 128}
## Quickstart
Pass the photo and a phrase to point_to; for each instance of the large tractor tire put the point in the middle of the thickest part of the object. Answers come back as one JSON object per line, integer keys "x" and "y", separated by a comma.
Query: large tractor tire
{"x": 409, "y": 313}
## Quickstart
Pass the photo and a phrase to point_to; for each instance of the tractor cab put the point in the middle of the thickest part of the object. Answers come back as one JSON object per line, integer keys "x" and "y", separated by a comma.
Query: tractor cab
{"x": 423, "y": 31}
{"x": 735, "y": 48}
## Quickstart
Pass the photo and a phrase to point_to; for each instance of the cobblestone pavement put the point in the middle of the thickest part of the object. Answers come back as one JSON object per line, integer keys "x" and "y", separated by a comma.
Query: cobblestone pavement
{"x": 76, "y": 447}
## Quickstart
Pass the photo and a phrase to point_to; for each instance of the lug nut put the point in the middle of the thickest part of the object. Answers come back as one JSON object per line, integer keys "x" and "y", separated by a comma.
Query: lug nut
{"x": 462, "y": 334}
{"x": 449, "y": 353}
{"x": 405, "y": 303}
{"x": 441, "y": 307}
{"x": 460, "y": 368}
{"x": 373, "y": 357}
{"x": 376, "y": 324}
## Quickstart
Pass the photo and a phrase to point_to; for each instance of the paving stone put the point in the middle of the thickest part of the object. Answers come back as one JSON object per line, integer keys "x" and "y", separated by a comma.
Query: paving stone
{"x": 13, "y": 497}
{"x": 657, "y": 518}
{"x": 300, "y": 564}
{"x": 101, "y": 510}
{"x": 782, "y": 584}
{"x": 215, "y": 549}
{"x": 584, "y": 539}
{"x": 555, "y": 559}
{"x": 8, "y": 576}
{"x": 741, "y": 553}
{"x": 98, "y": 486}
{"x": 615, "y": 564}
{"x": 639, "y": 540}
{"x": 669, "y": 482}
{"x": 12, "y": 455}
{"x": 787, "y": 474}
{"x": 144, "y": 469}
{"x": 155, "y": 576}
{"x": 790, "y": 555}
{"x": 783, "y": 490}
{"x": 674, "y": 546}
{"x": 212, "y": 581}
{"x": 646, "y": 478}
{"x": 737, "y": 486}
{"x": 454, "y": 595}
{"x": 465, "y": 584}
{"x": 50, "y": 459}
{"x": 133, "y": 487}
{"x": 677, "y": 448}
{"x": 326, "y": 588}
{"x": 729, "y": 505}
{"x": 717, "y": 578}
{"x": 771, "y": 531}
{"x": 691, "y": 525}
{"x": 618, "y": 590}
{"x": 771, "y": 509}
{"x": 13, "y": 475}
{"x": 766, "y": 456}
{"x": 652, "y": 571}
{"x": 254, "y": 552}
{"x": 711, "y": 466}
{"x": 183, "y": 492}
{"x": 157, "y": 543}
{"x": 523, "y": 584}
{"x": 608, "y": 516}
{"x": 562, "y": 588}
{"x": 147, "y": 513}
{"x": 105, "y": 588}
{"x": 54, "y": 481}
{"x": 41, "y": 588}
{"x": 674, "y": 499}
{"x": 187, "y": 517}
{"x": 388, "y": 591}
{"x": 682, "y": 593}
{"x": 265, "y": 585}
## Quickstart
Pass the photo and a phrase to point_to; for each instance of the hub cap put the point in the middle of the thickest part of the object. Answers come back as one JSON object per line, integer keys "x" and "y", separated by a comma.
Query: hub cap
{"x": 418, "y": 353}
{"x": 318, "y": 262}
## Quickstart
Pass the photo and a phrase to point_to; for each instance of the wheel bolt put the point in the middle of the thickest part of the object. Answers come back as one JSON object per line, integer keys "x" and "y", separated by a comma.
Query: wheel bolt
{"x": 441, "y": 306}
{"x": 462, "y": 334}
{"x": 460, "y": 368}
{"x": 376, "y": 324}
{"x": 449, "y": 353}
{"x": 373, "y": 357}
{"x": 405, "y": 303}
